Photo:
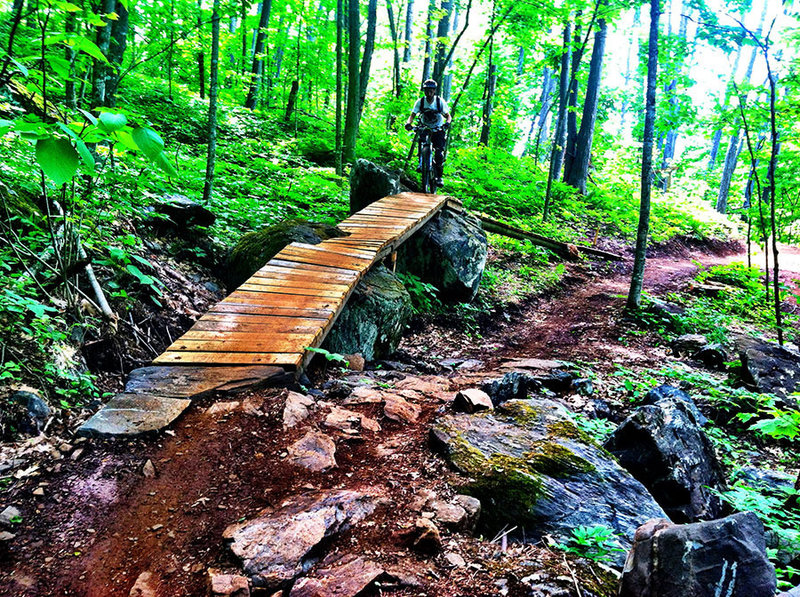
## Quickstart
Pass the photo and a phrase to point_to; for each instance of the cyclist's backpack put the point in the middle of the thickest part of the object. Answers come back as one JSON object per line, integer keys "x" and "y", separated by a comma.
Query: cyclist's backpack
{"x": 430, "y": 115}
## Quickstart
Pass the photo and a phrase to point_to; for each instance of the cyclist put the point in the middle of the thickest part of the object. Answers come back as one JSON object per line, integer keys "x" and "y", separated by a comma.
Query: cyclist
{"x": 435, "y": 115}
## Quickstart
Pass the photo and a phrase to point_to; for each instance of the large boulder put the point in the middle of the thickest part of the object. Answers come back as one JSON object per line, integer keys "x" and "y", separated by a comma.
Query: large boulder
{"x": 769, "y": 368}
{"x": 278, "y": 545}
{"x": 370, "y": 182}
{"x": 256, "y": 248}
{"x": 707, "y": 559}
{"x": 183, "y": 213}
{"x": 373, "y": 320}
{"x": 25, "y": 412}
{"x": 449, "y": 252}
{"x": 532, "y": 468}
{"x": 663, "y": 446}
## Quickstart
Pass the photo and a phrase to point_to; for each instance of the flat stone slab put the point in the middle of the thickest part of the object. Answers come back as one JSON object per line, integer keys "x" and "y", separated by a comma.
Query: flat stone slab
{"x": 134, "y": 414}
{"x": 196, "y": 382}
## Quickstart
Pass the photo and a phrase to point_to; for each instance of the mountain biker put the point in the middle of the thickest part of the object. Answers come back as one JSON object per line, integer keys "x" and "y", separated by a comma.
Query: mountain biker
{"x": 435, "y": 115}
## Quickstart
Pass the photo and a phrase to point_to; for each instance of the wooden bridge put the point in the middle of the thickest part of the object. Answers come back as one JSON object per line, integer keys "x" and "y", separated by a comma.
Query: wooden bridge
{"x": 292, "y": 302}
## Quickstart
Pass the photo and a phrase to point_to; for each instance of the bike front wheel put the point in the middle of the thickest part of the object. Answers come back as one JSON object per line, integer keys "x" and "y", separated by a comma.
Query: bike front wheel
{"x": 428, "y": 179}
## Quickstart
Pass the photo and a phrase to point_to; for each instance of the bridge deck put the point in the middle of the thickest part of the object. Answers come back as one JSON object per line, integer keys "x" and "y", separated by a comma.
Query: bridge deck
{"x": 292, "y": 302}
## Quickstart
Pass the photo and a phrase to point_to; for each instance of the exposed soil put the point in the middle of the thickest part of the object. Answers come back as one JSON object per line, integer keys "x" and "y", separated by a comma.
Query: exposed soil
{"x": 100, "y": 521}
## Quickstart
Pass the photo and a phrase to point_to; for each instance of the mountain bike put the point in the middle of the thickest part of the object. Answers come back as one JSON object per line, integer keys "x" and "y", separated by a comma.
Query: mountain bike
{"x": 426, "y": 156}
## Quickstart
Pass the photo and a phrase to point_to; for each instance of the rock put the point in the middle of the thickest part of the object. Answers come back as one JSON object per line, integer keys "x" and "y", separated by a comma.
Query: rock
{"x": 8, "y": 516}
{"x": 133, "y": 415}
{"x": 199, "y": 382}
{"x": 449, "y": 252}
{"x": 707, "y": 559}
{"x": 183, "y": 212}
{"x": 472, "y": 507}
{"x": 713, "y": 356}
{"x": 254, "y": 249}
{"x": 583, "y": 386}
{"x": 514, "y": 385}
{"x": 422, "y": 499}
{"x": 687, "y": 345}
{"x": 314, "y": 451}
{"x": 347, "y": 578}
{"x": 343, "y": 420}
{"x": 400, "y": 410}
{"x": 355, "y": 362}
{"x": 427, "y": 538}
{"x": 6, "y": 536}
{"x": 277, "y": 546}
{"x": 774, "y": 483}
{"x": 370, "y": 182}
{"x": 472, "y": 400}
{"x": 374, "y": 318}
{"x": 455, "y": 516}
{"x": 795, "y": 592}
{"x": 662, "y": 446}
{"x": 455, "y": 559}
{"x": 769, "y": 368}
{"x": 668, "y": 392}
{"x": 227, "y": 585}
{"x": 296, "y": 409}
{"x": 531, "y": 467}
{"x": 222, "y": 408}
{"x": 669, "y": 314}
{"x": 145, "y": 585}
{"x": 149, "y": 469}
{"x": 34, "y": 413}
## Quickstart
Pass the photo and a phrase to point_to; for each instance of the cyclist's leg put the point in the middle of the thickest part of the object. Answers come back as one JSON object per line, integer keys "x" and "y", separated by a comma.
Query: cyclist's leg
{"x": 438, "y": 159}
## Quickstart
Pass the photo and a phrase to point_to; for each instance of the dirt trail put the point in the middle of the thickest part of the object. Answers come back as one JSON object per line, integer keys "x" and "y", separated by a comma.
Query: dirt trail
{"x": 101, "y": 522}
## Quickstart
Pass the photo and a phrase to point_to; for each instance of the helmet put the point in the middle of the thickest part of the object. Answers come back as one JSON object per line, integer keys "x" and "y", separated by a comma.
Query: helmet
{"x": 429, "y": 84}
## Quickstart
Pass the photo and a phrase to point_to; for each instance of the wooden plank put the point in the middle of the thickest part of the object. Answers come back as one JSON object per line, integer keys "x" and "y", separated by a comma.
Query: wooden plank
{"x": 338, "y": 261}
{"x": 221, "y": 328}
{"x": 324, "y": 247}
{"x": 303, "y": 283}
{"x": 333, "y": 293}
{"x": 269, "y": 299}
{"x": 276, "y": 312}
{"x": 278, "y": 343}
{"x": 287, "y": 273}
{"x": 399, "y": 210}
{"x": 372, "y": 217}
{"x": 310, "y": 267}
{"x": 222, "y": 358}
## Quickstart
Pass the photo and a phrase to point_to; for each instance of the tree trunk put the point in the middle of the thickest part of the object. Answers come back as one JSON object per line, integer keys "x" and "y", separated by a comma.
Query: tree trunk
{"x": 258, "y": 62}
{"x": 396, "y": 85}
{"x": 99, "y": 69}
{"x": 712, "y": 158}
{"x": 213, "y": 94}
{"x": 243, "y": 14}
{"x": 632, "y": 43}
{"x": 583, "y": 148}
{"x": 201, "y": 55}
{"x": 557, "y": 152}
{"x": 339, "y": 59}
{"x": 292, "y": 100}
{"x": 637, "y": 277}
{"x": 70, "y": 98}
{"x": 353, "y": 81}
{"x": 366, "y": 57}
{"x": 731, "y": 157}
{"x": 488, "y": 106}
{"x": 572, "y": 106}
{"x": 116, "y": 52}
{"x": 520, "y": 61}
{"x": 442, "y": 33}
{"x": 426, "y": 63}
{"x": 407, "y": 39}
{"x": 546, "y": 102}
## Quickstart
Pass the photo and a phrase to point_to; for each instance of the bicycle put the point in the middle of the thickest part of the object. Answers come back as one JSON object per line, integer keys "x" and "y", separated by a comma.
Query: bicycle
{"x": 426, "y": 157}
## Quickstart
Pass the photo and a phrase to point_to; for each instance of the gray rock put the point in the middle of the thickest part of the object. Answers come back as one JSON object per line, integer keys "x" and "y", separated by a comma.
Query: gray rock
{"x": 184, "y": 213}
{"x": 374, "y": 318}
{"x": 668, "y": 392}
{"x": 347, "y": 577}
{"x": 769, "y": 368}
{"x": 707, "y": 559}
{"x": 776, "y": 483}
{"x": 472, "y": 400}
{"x": 314, "y": 451}
{"x": 459, "y": 514}
{"x": 132, "y": 415}
{"x": 514, "y": 385}
{"x": 531, "y": 467}
{"x": 713, "y": 356}
{"x": 34, "y": 413}
{"x": 450, "y": 253}
{"x": 795, "y": 592}
{"x": 688, "y": 344}
{"x": 370, "y": 182}
{"x": 6, "y": 516}
{"x": 296, "y": 409}
{"x": 278, "y": 545}
{"x": 145, "y": 585}
{"x": 472, "y": 506}
{"x": 227, "y": 585}
{"x": 664, "y": 448}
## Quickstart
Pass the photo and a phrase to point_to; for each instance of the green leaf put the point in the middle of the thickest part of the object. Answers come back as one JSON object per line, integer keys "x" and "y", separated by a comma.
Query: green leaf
{"x": 139, "y": 275}
{"x": 148, "y": 141}
{"x": 22, "y": 69}
{"x": 87, "y": 46}
{"x": 163, "y": 162}
{"x": 110, "y": 122}
{"x": 67, "y": 6}
{"x": 57, "y": 158}
{"x": 86, "y": 155}
{"x": 89, "y": 116}
{"x": 5, "y": 126}
{"x": 126, "y": 139}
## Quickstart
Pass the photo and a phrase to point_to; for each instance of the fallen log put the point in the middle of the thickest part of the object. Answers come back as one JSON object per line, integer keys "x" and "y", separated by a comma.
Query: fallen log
{"x": 566, "y": 250}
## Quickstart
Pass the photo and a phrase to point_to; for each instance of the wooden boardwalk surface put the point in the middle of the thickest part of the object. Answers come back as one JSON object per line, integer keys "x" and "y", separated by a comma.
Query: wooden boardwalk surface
{"x": 293, "y": 301}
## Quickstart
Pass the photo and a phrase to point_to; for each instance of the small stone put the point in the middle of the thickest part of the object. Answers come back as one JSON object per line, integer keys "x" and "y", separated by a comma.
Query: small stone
{"x": 222, "y": 408}
{"x": 450, "y": 515}
{"x": 65, "y": 447}
{"x": 156, "y": 527}
{"x": 298, "y": 408}
{"x": 343, "y": 420}
{"x": 454, "y": 559}
{"x": 144, "y": 586}
{"x": 422, "y": 499}
{"x": 6, "y": 536}
{"x": 314, "y": 451}
{"x": 472, "y": 506}
{"x": 364, "y": 395}
{"x": 8, "y": 514}
{"x": 227, "y": 585}
{"x": 39, "y": 492}
{"x": 149, "y": 469}
{"x": 355, "y": 362}
{"x": 427, "y": 539}
{"x": 76, "y": 454}
{"x": 400, "y": 410}
{"x": 472, "y": 400}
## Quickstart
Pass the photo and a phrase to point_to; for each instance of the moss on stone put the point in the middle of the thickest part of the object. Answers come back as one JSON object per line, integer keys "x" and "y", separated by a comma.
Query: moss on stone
{"x": 522, "y": 412}
{"x": 569, "y": 430}
{"x": 554, "y": 460}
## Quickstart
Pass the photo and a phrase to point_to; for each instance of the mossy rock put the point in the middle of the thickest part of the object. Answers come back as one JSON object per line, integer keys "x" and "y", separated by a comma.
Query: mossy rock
{"x": 534, "y": 469}
{"x": 256, "y": 248}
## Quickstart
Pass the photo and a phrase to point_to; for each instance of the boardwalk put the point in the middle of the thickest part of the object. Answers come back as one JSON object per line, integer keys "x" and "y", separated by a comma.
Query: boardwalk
{"x": 293, "y": 301}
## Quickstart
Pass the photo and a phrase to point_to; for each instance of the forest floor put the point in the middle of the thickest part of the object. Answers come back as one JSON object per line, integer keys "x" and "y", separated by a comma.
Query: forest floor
{"x": 96, "y": 514}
